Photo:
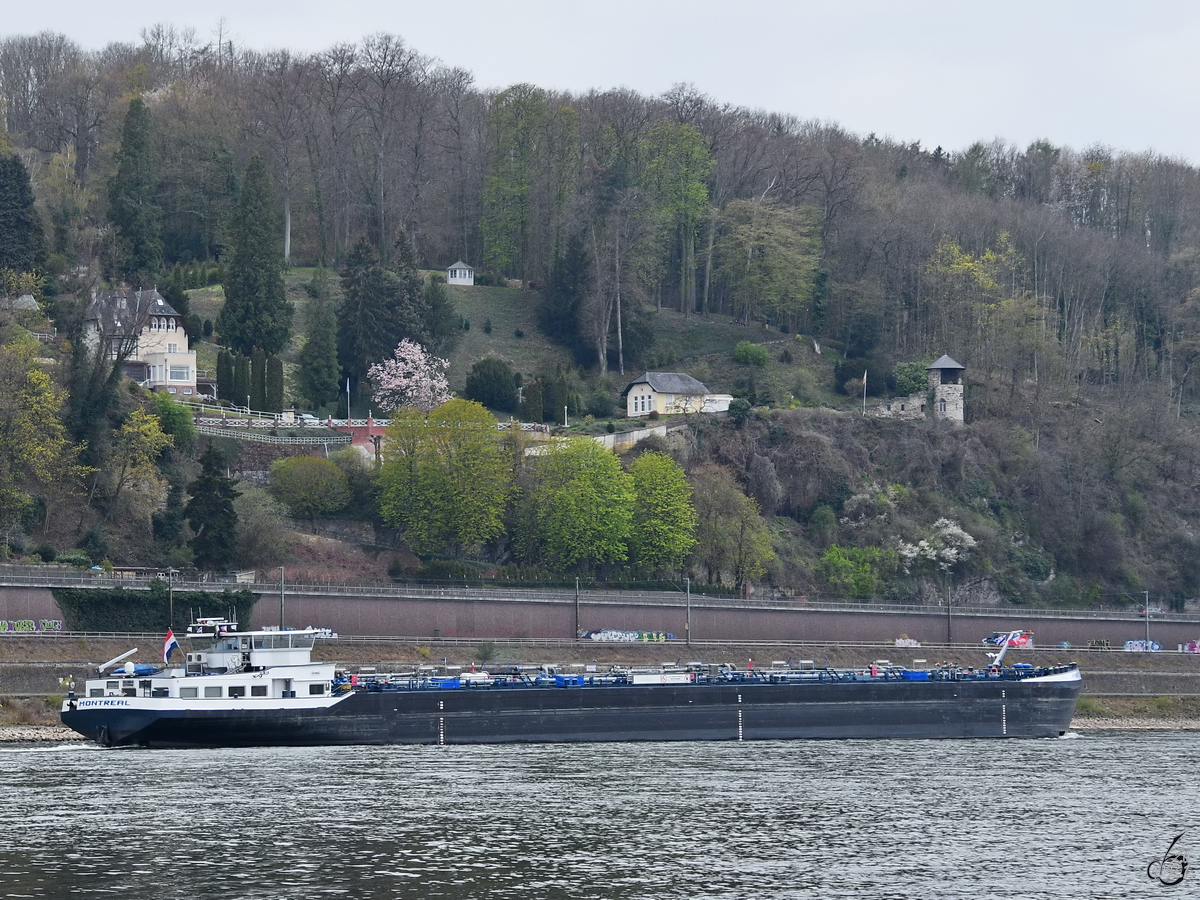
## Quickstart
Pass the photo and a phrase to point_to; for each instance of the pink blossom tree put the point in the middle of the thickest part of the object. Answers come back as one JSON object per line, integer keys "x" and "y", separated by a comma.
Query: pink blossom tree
{"x": 412, "y": 379}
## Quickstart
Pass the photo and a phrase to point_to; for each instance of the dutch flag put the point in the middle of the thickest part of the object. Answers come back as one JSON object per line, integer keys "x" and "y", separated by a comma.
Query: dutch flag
{"x": 169, "y": 644}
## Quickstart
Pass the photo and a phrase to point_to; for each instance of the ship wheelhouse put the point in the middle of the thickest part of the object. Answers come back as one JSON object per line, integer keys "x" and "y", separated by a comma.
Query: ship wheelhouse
{"x": 222, "y": 663}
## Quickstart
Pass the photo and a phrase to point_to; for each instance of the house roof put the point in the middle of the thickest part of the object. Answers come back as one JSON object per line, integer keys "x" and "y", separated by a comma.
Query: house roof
{"x": 126, "y": 307}
{"x": 944, "y": 363}
{"x": 669, "y": 383}
{"x": 25, "y": 301}
{"x": 461, "y": 265}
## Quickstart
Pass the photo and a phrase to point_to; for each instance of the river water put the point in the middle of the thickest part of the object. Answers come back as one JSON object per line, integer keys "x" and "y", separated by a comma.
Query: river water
{"x": 1080, "y": 816}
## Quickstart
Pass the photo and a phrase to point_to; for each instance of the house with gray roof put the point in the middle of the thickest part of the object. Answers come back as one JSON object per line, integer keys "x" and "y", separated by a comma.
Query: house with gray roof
{"x": 146, "y": 333}
{"x": 669, "y": 394}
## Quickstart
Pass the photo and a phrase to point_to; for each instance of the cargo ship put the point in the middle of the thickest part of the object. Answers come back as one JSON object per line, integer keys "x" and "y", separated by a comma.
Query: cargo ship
{"x": 262, "y": 688}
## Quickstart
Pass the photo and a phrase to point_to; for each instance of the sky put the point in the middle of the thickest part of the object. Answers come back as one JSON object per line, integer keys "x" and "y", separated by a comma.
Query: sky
{"x": 1120, "y": 73}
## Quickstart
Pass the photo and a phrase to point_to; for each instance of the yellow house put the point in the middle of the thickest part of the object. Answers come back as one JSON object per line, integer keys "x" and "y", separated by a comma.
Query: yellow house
{"x": 146, "y": 332}
{"x": 669, "y": 394}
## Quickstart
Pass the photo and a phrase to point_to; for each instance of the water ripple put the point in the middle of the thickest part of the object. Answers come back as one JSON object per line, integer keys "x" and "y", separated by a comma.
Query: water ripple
{"x": 839, "y": 819}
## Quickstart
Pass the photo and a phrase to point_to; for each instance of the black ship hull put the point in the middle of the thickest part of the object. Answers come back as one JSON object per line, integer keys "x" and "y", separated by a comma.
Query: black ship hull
{"x": 715, "y": 712}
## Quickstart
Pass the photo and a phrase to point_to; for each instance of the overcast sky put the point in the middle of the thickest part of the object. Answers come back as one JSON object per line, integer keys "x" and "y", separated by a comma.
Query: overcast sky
{"x": 1116, "y": 72}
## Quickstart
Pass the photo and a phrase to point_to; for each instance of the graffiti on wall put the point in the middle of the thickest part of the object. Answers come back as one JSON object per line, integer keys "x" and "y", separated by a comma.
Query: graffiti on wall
{"x": 29, "y": 626}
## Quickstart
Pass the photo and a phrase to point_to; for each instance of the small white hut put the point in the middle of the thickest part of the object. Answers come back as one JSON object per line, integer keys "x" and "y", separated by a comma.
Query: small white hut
{"x": 460, "y": 273}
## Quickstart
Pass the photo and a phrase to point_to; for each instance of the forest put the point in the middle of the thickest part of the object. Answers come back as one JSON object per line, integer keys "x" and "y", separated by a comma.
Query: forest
{"x": 1066, "y": 280}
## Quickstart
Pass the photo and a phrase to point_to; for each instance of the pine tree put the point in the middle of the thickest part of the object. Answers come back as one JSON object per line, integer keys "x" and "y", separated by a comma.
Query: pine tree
{"x": 380, "y": 307}
{"x": 241, "y": 380}
{"x": 318, "y": 369}
{"x": 257, "y": 313}
{"x": 224, "y": 375}
{"x": 22, "y": 240}
{"x": 211, "y": 515}
{"x": 132, "y": 210}
{"x": 274, "y": 384}
{"x": 258, "y": 379}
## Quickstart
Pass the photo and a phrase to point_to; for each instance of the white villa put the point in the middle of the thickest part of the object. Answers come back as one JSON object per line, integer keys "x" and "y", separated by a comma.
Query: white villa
{"x": 671, "y": 393}
{"x": 152, "y": 331}
{"x": 460, "y": 273}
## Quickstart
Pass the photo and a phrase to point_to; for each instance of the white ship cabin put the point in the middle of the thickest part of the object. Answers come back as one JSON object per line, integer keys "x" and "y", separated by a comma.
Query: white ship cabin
{"x": 222, "y": 662}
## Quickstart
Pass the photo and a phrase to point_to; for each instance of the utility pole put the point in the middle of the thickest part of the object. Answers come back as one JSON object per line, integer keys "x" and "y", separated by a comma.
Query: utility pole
{"x": 170, "y": 598}
{"x": 576, "y": 607}
{"x": 687, "y": 624}
{"x": 281, "y": 598}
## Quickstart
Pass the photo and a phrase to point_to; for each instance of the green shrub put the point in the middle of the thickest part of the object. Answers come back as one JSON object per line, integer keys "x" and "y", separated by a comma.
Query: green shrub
{"x": 601, "y": 404}
{"x": 491, "y": 382}
{"x": 44, "y": 552}
{"x": 739, "y": 411}
{"x": 750, "y": 354}
{"x": 911, "y": 378}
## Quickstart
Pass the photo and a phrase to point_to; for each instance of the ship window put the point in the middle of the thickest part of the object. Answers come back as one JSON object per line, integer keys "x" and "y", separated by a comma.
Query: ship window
{"x": 237, "y": 690}
{"x": 212, "y": 691}
{"x": 160, "y": 692}
{"x": 112, "y": 685}
{"x": 187, "y": 693}
{"x": 95, "y": 692}
{"x": 258, "y": 690}
{"x": 316, "y": 688}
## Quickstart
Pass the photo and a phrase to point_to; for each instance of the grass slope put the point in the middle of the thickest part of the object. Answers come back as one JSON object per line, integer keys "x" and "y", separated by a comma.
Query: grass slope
{"x": 698, "y": 345}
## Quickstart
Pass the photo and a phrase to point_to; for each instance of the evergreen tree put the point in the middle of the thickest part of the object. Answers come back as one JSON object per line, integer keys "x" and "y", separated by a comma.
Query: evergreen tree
{"x": 22, "y": 240}
{"x": 317, "y": 374}
{"x": 257, "y": 313}
{"x": 532, "y": 409}
{"x": 258, "y": 379}
{"x": 210, "y": 513}
{"x": 380, "y": 307}
{"x": 491, "y": 382}
{"x": 274, "y": 384}
{"x": 442, "y": 324}
{"x": 132, "y": 209}
{"x": 225, "y": 375}
{"x": 241, "y": 380}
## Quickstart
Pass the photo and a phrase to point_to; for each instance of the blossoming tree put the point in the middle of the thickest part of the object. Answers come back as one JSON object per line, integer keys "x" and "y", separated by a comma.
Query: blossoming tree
{"x": 411, "y": 379}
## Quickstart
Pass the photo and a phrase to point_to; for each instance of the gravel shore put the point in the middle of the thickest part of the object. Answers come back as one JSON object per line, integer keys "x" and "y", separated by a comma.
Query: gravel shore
{"x": 36, "y": 734}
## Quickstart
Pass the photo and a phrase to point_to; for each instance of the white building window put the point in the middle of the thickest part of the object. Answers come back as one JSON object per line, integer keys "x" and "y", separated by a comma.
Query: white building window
{"x": 180, "y": 373}
{"x": 172, "y": 348}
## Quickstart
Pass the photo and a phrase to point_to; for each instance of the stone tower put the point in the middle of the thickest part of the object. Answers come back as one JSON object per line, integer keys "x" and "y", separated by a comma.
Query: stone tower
{"x": 946, "y": 385}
